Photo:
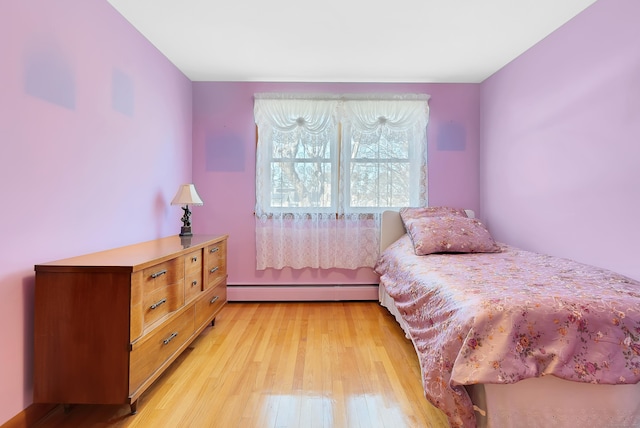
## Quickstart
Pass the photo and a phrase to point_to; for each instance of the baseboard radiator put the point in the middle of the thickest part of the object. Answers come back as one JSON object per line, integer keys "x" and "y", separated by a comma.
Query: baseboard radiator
{"x": 297, "y": 293}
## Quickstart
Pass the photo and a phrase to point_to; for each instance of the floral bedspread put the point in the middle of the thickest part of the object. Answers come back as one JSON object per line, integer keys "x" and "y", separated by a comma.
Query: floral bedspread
{"x": 503, "y": 317}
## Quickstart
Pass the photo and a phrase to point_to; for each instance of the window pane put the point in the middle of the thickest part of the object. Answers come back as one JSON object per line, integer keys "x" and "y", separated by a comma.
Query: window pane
{"x": 301, "y": 184}
{"x": 375, "y": 146}
{"x": 379, "y": 170}
{"x": 301, "y": 170}
{"x": 379, "y": 184}
{"x": 394, "y": 148}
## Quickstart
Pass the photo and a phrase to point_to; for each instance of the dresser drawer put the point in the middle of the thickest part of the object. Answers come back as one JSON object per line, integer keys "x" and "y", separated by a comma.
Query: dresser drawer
{"x": 148, "y": 354}
{"x": 162, "y": 301}
{"x": 163, "y": 274}
{"x": 193, "y": 263}
{"x": 212, "y": 301}
{"x": 193, "y": 275}
{"x": 216, "y": 263}
{"x": 192, "y": 286}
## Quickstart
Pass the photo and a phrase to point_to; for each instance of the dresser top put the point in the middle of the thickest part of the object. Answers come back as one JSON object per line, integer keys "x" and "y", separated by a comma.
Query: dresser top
{"x": 134, "y": 257}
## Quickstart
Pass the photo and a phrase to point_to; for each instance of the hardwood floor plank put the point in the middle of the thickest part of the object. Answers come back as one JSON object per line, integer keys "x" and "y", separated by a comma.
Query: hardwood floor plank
{"x": 282, "y": 365}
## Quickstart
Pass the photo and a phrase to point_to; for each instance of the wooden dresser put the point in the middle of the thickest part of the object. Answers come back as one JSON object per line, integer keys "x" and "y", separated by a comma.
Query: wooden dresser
{"x": 108, "y": 324}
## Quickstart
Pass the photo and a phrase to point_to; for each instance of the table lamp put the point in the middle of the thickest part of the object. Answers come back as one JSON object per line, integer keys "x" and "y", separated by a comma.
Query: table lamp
{"x": 186, "y": 196}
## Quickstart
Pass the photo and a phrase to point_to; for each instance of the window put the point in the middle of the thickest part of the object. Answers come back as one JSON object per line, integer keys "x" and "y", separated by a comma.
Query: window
{"x": 378, "y": 172}
{"x": 326, "y": 169}
{"x": 297, "y": 167}
{"x": 303, "y": 173}
{"x": 384, "y": 153}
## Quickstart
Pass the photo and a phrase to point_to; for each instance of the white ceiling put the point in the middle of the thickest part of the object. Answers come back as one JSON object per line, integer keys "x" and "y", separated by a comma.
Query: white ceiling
{"x": 345, "y": 40}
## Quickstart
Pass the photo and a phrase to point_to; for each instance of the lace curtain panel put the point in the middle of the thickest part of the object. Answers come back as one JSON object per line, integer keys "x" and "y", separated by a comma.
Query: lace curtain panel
{"x": 326, "y": 168}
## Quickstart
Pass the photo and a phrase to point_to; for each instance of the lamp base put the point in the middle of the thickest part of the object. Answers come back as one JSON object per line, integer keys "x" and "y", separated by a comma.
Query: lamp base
{"x": 185, "y": 231}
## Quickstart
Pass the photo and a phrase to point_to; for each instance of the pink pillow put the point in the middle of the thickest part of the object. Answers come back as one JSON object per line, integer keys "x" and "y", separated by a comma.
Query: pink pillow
{"x": 415, "y": 213}
{"x": 450, "y": 234}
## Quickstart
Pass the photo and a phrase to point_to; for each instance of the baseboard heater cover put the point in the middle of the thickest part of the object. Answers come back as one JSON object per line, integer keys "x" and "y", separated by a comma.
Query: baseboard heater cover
{"x": 283, "y": 293}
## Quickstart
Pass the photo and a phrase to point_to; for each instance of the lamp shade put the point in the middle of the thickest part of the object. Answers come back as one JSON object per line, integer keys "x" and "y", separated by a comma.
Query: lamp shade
{"x": 187, "y": 195}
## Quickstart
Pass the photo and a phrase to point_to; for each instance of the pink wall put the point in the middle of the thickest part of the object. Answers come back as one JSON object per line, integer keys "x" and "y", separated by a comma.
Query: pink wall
{"x": 560, "y": 145}
{"x": 95, "y": 137}
{"x": 224, "y": 164}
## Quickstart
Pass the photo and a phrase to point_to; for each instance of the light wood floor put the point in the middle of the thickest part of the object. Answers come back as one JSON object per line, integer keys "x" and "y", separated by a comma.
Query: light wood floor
{"x": 284, "y": 365}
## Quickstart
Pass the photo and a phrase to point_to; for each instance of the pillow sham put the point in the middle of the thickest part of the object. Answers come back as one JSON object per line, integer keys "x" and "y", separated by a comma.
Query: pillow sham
{"x": 450, "y": 234}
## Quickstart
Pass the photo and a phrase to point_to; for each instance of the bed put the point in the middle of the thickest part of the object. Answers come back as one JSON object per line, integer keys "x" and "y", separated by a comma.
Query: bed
{"x": 510, "y": 338}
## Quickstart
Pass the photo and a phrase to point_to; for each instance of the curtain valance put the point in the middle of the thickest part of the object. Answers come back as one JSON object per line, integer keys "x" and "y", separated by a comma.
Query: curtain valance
{"x": 296, "y": 114}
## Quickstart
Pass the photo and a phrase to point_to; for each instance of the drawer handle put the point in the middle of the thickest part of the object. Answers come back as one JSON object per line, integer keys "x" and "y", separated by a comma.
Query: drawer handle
{"x": 158, "y": 303}
{"x": 157, "y": 274}
{"x": 215, "y": 299}
{"x": 194, "y": 259}
{"x": 214, "y": 250}
{"x": 213, "y": 270}
{"x": 170, "y": 338}
{"x": 194, "y": 283}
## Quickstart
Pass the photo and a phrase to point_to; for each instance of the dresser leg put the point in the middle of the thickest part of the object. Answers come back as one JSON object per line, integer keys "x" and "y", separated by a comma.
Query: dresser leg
{"x": 134, "y": 407}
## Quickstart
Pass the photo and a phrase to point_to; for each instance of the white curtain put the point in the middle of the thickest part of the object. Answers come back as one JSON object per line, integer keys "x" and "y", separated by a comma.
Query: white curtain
{"x": 320, "y": 208}
{"x": 387, "y": 129}
{"x": 295, "y": 215}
